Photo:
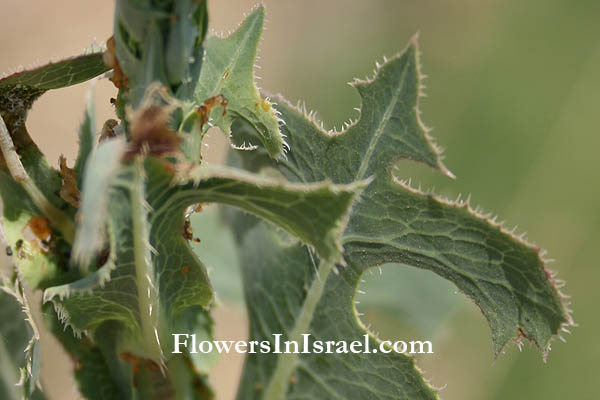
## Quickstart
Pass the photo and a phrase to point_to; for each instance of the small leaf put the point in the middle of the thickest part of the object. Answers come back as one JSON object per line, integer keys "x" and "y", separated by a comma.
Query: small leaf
{"x": 228, "y": 70}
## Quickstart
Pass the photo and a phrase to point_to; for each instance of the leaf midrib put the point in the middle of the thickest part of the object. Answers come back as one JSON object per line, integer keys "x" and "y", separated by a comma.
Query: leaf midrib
{"x": 389, "y": 110}
{"x": 287, "y": 364}
{"x": 235, "y": 59}
{"x": 144, "y": 273}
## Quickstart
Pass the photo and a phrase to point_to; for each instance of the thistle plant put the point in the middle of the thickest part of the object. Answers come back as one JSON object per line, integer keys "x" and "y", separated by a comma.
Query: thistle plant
{"x": 107, "y": 241}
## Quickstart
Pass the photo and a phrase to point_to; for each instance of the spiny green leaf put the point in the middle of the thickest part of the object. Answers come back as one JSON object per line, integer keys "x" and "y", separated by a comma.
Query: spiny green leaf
{"x": 228, "y": 70}
{"x": 124, "y": 288}
{"x": 19, "y": 90}
{"x": 103, "y": 374}
{"x": 56, "y": 75}
{"x": 19, "y": 345}
{"x": 388, "y": 129}
{"x": 91, "y": 370}
{"x": 505, "y": 276}
{"x": 316, "y": 213}
{"x": 276, "y": 274}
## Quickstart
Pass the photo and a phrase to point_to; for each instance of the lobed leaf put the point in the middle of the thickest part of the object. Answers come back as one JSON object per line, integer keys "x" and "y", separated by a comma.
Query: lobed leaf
{"x": 392, "y": 223}
{"x": 228, "y": 70}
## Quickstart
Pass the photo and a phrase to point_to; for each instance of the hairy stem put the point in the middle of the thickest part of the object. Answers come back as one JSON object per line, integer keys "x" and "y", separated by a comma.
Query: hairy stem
{"x": 57, "y": 218}
{"x": 286, "y": 364}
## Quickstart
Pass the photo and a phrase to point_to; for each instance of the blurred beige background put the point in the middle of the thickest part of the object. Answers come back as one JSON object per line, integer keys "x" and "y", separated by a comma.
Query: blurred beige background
{"x": 513, "y": 95}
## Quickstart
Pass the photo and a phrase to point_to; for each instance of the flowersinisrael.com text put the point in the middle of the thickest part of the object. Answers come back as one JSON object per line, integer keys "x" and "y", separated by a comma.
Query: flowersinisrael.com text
{"x": 306, "y": 346}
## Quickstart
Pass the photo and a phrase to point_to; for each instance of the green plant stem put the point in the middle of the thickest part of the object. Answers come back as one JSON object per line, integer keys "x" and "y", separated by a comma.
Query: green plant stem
{"x": 286, "y": 364}
{"x": 57, "y": 218}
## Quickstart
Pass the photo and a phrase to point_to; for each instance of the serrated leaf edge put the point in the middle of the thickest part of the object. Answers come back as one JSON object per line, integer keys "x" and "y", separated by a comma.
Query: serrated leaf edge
{"x": 521, "y": 238}
{"x": 222, "y": 36}
{"x": 199, "y": 173}
{"x": 93, "y": 49}
{"x": 15, "y": 289}
{"x": 311, "y": 115}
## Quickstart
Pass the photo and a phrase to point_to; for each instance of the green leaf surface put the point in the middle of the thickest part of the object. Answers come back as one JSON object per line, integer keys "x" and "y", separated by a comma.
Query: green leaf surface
{"x": 315, "y": 213}
{"x": 228, "y": 70}
{"x": 392, "y": 223}
{"x": 124, "y": 288}
{"x": 215, "y": 248}
{"x": 20, "y": 353}
{"x": 169, "y": 271}
{"x": 57, "y": 75}
{"x": 90, "y": 368}
{"x": 276, "y": 274}
{"x": 37, "y": 266}
{"x": 18, "y": 91}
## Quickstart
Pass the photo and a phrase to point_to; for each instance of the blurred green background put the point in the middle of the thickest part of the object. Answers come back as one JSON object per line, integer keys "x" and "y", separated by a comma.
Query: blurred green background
{"x": 513, "y": 94}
